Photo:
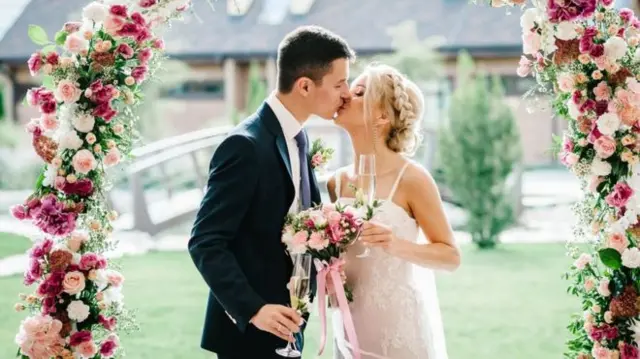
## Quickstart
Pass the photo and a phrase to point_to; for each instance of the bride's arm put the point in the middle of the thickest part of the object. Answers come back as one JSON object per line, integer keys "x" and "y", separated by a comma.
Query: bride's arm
{"x": 424, "y": 201}
{"x": 331, "y": 187}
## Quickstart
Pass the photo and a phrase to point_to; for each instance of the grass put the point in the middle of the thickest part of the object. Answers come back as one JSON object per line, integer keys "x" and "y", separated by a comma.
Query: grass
{"x": 506, "y": 303}
{"x": 11, "y": 244}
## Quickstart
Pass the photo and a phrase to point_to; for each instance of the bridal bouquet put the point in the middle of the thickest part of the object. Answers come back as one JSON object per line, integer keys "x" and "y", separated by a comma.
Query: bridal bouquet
{"x": 92, "y": 71}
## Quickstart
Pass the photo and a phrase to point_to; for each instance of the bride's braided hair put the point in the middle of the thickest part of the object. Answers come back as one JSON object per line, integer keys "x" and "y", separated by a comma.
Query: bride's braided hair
{"x": 402, "y": 100}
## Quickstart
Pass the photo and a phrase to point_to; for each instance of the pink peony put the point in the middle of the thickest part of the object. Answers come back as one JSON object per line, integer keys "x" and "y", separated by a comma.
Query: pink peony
{"x": 125, "y": 50}
{"x": 112, "y": 158}
{"x": 626, "y": 15}
{"x": 112, "y": 24}
{"x": 524, "y": 66}
{"x": 80, "y": 337}
{"x": 300, "y": 238}
{"x": 139, "y": 73}
{"x": 39, "y": 337}
{"x": 51, "y": 217}
{"x": 74, "y": 282}
{"x": 620, "y": 195}
{"x": 49, "y": 122}
{"x": 118, "y": 10}
{"x": 88, "y": 261}
{"x": 109, "y": 346}
{"x": 147, "y": 3}
{"x": 68, "y": 92}
{"x": 566, "y": 83}
{"x": 605, "y": 146}
{"x": 559, "y": 11}
{"x": 33, "y": 273}
{"x": 569, "y": 158}
{"x": 35, "y": 63}
{"x": 618, "y": 241}
{"x": 84, "y": 162}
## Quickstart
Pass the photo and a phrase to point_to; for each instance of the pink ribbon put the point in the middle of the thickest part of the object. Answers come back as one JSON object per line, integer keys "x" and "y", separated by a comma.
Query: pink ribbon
{"x": 333, "y": 269}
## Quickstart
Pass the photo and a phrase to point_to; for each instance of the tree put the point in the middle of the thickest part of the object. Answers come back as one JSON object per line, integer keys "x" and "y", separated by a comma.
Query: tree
{"x": 478, "y": 150}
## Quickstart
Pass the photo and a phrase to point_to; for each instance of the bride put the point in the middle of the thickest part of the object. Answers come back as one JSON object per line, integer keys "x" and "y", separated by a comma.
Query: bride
{"x": 395, "y": 309}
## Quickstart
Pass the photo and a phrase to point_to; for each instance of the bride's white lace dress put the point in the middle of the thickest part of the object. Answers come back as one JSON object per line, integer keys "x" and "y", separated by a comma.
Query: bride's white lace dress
{"x": 395, "y": 309}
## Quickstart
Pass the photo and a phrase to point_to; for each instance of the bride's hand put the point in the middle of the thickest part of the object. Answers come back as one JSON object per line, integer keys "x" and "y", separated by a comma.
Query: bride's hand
{"x": 375, "y": 234}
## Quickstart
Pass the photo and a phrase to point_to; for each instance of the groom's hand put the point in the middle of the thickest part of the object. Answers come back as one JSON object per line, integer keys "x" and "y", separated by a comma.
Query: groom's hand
{"x": 278, "y": 320}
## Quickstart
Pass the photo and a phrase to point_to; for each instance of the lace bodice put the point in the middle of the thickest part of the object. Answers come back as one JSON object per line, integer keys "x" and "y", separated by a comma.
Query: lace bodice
{"x": 395, "y": 310}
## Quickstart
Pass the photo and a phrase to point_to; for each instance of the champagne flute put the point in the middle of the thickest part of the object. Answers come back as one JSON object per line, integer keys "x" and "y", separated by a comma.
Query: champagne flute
{"x": 367, "y": 185}
{"x": 299, "y": 290}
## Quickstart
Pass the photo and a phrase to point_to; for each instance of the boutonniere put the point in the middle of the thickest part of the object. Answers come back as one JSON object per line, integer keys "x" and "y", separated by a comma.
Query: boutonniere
{"x": 320, "y": 155}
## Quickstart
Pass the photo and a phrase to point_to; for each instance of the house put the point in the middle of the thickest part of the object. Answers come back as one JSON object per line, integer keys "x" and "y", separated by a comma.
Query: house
{"x": 219, "y": 43}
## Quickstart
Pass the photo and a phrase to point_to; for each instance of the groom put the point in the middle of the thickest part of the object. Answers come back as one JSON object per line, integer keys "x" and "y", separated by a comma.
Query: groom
{"x": 258, "y": 174}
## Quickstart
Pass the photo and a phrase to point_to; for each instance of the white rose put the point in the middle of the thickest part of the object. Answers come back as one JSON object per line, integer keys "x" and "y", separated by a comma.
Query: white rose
{"x": 615, "y": 48}
{"x": 600, "y": 167}
{"x": 631, "y": 215}
{"x": 574, "y": 111}
{"x": 78, "y": 311}
{"x": 50, "y": 176}
{"x": 631, "y": 258}
{"x": 95, "y": 12}
{"x": 529, "y": 18}
{"x": 84, "y": 123}
{"x": 76, "y": 258}
{"x": 620, "y": 225}
{"x": 566, "y": 30}
{"x": 70, "y": 140}
{"x": 608, "y": 123}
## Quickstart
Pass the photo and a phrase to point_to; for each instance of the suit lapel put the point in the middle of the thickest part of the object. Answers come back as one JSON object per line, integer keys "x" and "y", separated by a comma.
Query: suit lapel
{"x": 283, "y": 151}
{"x": 271, "y": 122}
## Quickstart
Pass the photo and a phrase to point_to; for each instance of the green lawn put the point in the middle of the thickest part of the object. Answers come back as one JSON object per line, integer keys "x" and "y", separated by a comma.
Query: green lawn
{"x": 509, "y": 303}
{"x": 11, "y": 244}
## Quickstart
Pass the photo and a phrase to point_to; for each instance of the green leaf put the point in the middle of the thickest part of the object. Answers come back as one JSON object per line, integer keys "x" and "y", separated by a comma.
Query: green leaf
{"x": 40, "y": 180}
{"x": 61, "y": 37}
{"x": 49, "y": 48}
{"x": 38, "y": 35}
{"x": 47, "y": 81}
{"x": 610, "y": 258}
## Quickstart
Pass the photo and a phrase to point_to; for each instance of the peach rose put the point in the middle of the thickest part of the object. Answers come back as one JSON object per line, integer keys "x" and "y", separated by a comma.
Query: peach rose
{"x": 589, "y": 284}
{"x": 97, "y": 148}
{"x": 115, "y": 278}
{"x": 87, "y": 349}
{"x": 84, "y": 162}
{"x": 68, "y": 92}
{"x": 103, "y": 46}
{"x": 112, "y": 158}
{"x": 118, "y": 129}
{"x": 596, "y": 75}
{"x": 566, "y": 83}
{"x": 73, "y": 282}
{"x": 605, "y": 146}
{"x": 49, "y": 122}
{"x": 76, "y": 44}
{"x": 75, "y": 242}
{"x": 91, "y": 138}
{"x": 618, "y": 241}
{"x": 66, "y": 62}
{"x": 628, "y": 140}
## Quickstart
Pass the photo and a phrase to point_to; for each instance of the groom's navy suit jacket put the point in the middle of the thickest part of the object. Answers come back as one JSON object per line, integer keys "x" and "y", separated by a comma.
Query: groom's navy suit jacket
{"x": 236, "y": 238}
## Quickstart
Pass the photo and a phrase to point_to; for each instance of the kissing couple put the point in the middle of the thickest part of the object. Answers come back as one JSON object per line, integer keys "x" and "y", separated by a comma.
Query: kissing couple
{"x": 261, "y": 172}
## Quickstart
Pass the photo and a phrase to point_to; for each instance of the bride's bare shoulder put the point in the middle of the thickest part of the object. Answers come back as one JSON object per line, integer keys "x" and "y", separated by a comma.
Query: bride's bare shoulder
{"x": 416, "y": 176}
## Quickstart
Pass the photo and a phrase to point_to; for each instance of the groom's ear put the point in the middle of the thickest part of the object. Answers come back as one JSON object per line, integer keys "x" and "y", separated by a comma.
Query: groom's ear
{"x": 303, "y": 85}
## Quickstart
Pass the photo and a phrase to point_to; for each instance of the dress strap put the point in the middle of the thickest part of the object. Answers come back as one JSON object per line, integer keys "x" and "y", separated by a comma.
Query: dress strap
{"x": 395, "y": 185}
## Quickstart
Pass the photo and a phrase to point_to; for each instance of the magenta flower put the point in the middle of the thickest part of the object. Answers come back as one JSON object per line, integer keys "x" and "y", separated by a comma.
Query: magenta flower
{"x": 51, "y": 218}
{"x": 35, "y": 63}
{"x": 568, "y": 10}
{"x": 147, "y": 3}
{"x": 130, "y": 29}
{"x": 104, "y": 111}
{"x": 82, "y": 187}
{"x": 139, "y": 73}
{"x": 80, "y": 337}
{"x": 107, "y": 323}
{"x": 19, "y": 212}
{"x": 118, "y": 10}
{"x": 628, "y": 351}
{"x": 604, "y": 332}
{"x": 109, "y": 346}
{"x": 88, "y": 261}
{"x": 125, "y": 50}
{"x": 144, "y": 56}
{"x": 138, "y": 19}
{"x": 48, "y": 107}
{"x": 620, "y": 195}
{"x": 41, "y": 249}
{"x": 52, "y": 285}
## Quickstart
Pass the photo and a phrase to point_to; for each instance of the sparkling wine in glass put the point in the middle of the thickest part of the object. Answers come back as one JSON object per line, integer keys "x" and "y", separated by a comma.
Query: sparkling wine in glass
{"x": 367, "y": 184}
{"x": 299, "y": 290}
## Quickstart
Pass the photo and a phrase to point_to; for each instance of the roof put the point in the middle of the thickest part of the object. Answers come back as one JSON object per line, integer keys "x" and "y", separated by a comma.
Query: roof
{"x": 9, "y": 12}
{"x": 212, "y": 34}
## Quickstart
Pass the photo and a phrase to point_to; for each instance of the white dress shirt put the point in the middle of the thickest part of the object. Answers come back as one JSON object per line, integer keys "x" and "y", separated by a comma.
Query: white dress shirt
{"x": 290, "y": 128}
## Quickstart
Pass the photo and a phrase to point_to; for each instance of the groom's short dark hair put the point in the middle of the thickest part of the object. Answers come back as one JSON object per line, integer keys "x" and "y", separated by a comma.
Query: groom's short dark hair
{"x": 308, "y": 51}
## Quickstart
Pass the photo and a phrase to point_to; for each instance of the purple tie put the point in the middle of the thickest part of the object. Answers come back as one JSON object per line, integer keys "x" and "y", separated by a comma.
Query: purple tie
{"x": 305, "y": 189}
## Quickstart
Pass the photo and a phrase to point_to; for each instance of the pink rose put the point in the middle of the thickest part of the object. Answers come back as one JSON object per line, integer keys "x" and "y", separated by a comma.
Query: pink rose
{"x": 68, "y": 92}
{"x": 620, "y": 195}
{"x": 582, "y": 261}
{"x": 118, "y": 10}
{"x": 300, "y": 238}
{"x": 19, "y": 212}
{"x": 328, "y": 207}
{"x": 76, "y": 44}
{"x": 103, "y": 46}
{"x": 125, "y": 50}
{"x": 618, "y": 241}
{"x": 316, "y": 160}
{"x": 138, "y": 19}
{"x": 569, "y": 158}
{"x": 531, "y": 43}
{"x": 317, "y": 241}
{"x": 144, "y": 56}
{"x": 566, "y": 83}
{"x": 139, "y": 73}
{"x": 48, "y": 107}
{"x": 35, "y": 63}
{"x": 158, "y": 44}
{"x": 49, "y": 122}
{"x": 112, "y": 158}
{"x": 147, "y": 3}
{"x": 39, "y": 337}
{"x": 334, "y": 218}
{"x": 589, "y": 284}
{"x": 87, "y": 349}
{"x": 84, "y": 162}
{"x": 115, "y": 278}
{"x": 75, "y": 242}
{"x": 74, "y": 282}
{"x": 109, "y": 346}
{"x": 602, "y": 91}
{"x": 112, "y": 24}
{"x": 605, "y": 146}
{"x": 524, "y": 66}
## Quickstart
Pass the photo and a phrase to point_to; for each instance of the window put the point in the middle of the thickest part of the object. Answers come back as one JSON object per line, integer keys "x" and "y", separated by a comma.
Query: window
{"x": 301, "y": 7}
{"x": 274, "y": 11}
{"x": 516, "y": 85}
{"x": 238, "y": 7}
{"x": 213, "y": 89}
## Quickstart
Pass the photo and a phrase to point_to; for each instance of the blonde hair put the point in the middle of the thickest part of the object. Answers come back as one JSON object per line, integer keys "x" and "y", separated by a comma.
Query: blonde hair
{"x": 401, "y": 100}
